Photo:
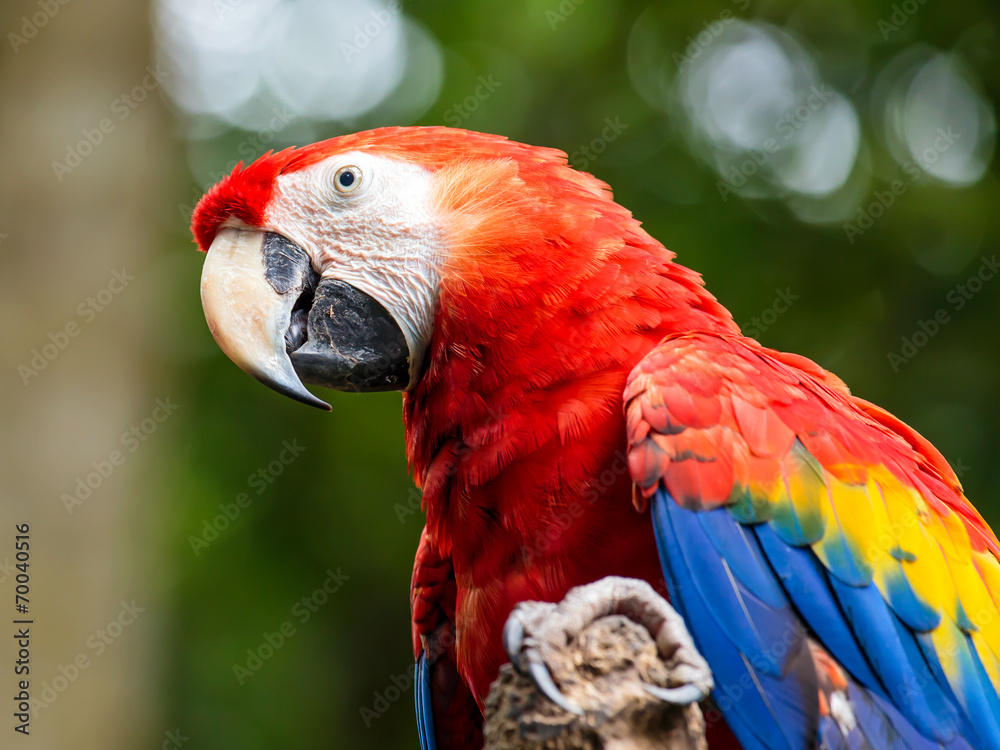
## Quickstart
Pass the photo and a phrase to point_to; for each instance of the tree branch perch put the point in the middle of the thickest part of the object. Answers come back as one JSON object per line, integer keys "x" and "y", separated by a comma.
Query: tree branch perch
{"x": 602, "y": 670}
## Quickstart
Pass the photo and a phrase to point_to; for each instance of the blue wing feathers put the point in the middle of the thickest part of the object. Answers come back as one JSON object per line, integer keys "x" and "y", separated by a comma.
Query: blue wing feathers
{"x": 807, "y": 585}
{"x": 879, "y": 728}
{"x": 900, "y": 727}
{"x": 768, "y": 635}
{"x": 830, "y": 737}
{"x": 991, "y": 703}
{"x": 905, "y": 603}
{"x": 740, "y": 549}
{"x": 760, "y": 708}
{"x": 978, "y": 700}
{"x": 893, "y": 652}
{"x": 746, "y": 595}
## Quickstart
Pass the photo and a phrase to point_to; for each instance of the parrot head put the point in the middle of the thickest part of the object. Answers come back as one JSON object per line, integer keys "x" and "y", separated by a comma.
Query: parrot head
{"x": 336, "y": 264}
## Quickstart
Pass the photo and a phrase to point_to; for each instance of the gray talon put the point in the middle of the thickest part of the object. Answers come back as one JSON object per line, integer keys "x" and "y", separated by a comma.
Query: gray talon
{"x": 513, "y": 639}
{"x": 535, "y": 633}
{"x": 679, "y": 696}
{"x": 540, "y": 674}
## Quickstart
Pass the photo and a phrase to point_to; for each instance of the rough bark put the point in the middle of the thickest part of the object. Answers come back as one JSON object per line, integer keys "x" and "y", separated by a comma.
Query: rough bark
{"x": 602, "y": 671}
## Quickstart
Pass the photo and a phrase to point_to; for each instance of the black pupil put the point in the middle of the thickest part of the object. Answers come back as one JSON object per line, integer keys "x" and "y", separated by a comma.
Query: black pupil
{"x": 346, "y": 178}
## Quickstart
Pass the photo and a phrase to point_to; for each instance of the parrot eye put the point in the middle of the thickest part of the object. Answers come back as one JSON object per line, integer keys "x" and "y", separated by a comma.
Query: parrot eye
{"x": 347, "y": 179}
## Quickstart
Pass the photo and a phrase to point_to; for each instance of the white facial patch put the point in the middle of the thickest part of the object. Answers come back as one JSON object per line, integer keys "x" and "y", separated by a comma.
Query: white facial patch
{"x": 379, "y": 237}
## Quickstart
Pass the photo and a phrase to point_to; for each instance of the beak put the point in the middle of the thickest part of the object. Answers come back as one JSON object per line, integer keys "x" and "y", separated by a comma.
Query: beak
{"x": 281, "y": 323}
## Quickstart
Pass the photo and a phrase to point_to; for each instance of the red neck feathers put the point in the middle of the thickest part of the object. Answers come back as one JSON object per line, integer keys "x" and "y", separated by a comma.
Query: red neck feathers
{"x": 552, "y": 293}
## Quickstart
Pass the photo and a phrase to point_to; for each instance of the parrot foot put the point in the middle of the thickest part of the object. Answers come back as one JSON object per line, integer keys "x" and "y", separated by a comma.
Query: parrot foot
{"x": 535, "y": 631}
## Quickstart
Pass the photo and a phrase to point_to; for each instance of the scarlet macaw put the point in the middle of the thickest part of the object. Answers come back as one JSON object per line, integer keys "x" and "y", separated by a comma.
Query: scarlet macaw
{"x": 577, "y": 406}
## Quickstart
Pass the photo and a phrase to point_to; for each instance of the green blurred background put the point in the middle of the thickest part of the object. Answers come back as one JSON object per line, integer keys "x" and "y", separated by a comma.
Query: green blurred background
{"x": 824, "y": 103}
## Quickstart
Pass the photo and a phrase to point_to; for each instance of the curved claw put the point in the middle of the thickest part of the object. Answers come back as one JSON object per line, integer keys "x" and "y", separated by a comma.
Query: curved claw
{"x": 679, "y": 696}
{"x": 513, "y": 639}
{"x": 540, "y": 674}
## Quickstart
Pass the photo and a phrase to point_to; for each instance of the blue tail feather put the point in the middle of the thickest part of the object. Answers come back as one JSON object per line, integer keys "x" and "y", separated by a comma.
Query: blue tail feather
{"x": 422, "y": 697}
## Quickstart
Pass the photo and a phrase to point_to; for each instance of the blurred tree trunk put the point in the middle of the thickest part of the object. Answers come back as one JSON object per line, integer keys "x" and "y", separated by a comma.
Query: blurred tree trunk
{"x": 74, "y": 372}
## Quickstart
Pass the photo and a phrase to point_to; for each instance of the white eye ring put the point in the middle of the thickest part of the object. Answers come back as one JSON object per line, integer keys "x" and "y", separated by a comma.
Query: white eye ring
{"x": 347, "y": 179}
